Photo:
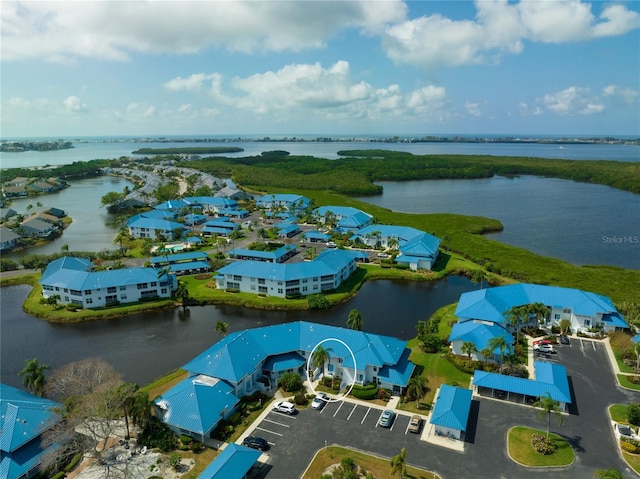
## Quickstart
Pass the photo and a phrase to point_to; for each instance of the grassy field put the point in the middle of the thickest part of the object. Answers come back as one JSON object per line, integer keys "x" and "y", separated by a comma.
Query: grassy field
{"x": 521, "y": 450}
{"x": 379, "y": 467}
{"x": 618, "y": 413}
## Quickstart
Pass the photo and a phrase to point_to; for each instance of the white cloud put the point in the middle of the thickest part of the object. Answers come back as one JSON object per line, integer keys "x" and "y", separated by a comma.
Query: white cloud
{"x": 473, "y": 108}
{"x": 193, "y": 82}
{"x": 573, "y": 100}
{"x": 626, "y": 96}
{"x": 73, "y": 104}
{"x": 64, "y": 31}
{"x": 526, "y": 110}
{"x": 300, "y": 90}
{"x": 500, "y": 27}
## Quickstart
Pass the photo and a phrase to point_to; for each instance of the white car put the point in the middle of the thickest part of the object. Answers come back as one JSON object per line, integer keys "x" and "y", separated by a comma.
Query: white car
{"x": 285, "y": 407}
{"x": 544, "y": 348}
{"x": 319, "y": 401}
{"x": 331, "y": 244}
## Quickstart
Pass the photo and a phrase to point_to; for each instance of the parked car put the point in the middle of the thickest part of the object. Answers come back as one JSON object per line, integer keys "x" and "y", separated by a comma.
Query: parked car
{"x": 331, "y": 244}
{"x": 564, "y": 339}
{"x": 541, "y": 341}
{"x": 319, "y": 401}
{"x": 414, "y": 424}
{"x": 386, "y": 418}
{"x": 544, "y": 348}
{"x": 383, "y": 255}
{"x": 256, "y": 443}
{"x": 285, "y": 407}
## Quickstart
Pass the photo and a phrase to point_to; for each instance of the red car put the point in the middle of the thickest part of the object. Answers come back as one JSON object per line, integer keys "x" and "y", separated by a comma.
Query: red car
{"x": 541, "y": 341}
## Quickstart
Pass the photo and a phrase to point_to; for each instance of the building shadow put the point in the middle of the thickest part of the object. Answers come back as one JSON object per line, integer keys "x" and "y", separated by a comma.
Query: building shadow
{"x": 573, "y": 407}
{"x": 472, "y": 422}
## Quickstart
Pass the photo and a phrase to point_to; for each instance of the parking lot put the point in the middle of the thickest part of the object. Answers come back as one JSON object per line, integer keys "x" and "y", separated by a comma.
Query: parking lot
{"x": 295, "y": 439}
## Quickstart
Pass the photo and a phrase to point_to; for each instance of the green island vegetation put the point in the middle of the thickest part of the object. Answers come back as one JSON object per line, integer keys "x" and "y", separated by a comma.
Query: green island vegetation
{"x": 523, "y": 442}
{"x": 352, "y": 460}
{"x": 77, "y": 169}
{"x": 194, "y": 150}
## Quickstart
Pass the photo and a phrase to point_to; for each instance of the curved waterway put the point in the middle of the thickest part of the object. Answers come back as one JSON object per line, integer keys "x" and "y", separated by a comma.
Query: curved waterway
{"x": 145, "y": 346}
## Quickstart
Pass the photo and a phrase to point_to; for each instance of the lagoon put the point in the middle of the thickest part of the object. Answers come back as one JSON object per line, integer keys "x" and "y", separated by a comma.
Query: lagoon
{"x": 146, "y": 346}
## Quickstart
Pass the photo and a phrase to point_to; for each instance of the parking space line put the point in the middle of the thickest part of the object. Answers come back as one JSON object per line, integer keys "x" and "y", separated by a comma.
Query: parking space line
{"x": 275, "y": 422}
{"x": 354, "y": 408}
{"x": 270, "y": 432}
{"x": 365, "y": 416}
{"x": 406, "y": 430}
{"x": 339, "y": 407}
{"x": 393, "y": 423}
{"x": 288, "y": 416}
{"x": 593, "y": 343}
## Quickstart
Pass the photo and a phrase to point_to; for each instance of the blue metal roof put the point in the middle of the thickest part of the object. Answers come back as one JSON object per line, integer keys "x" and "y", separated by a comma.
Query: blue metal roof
{"x": 216, "y": 230}
{"x": 478, "y": 333}
{"x": 232, "y": 212}
{"x": 491, "y": 304}
{"x": 197, "y": 404}
{"x": 238, "y": 354}
{"x": 316, "y": 235}
{"x": 400, "y": 373}
{"x": 452, "y": 408}
{"x": 282, "y": 362}
{"x": 194, "y": 240}
{"x": 175, "y": 268}
{"x": 158, "y": 214}
{"x": 550, "y": 379}
{"x": 286, "y": 228}
{"x": 232, "y": 463}
{"x": 222, "y": 223}
{"x": 170, "y": 258}
{"x": 279, "y": 253}
{"x": 212, "y": 201}
{"x": 155, "y": 224}
{"x": 286, "y": 198}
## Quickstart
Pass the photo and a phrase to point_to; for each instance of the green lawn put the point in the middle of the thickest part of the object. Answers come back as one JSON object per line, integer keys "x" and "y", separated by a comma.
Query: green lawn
{"x": 521, "y": 450}
{"x": 623, "y": 379}
{"x": 618, "y": 413}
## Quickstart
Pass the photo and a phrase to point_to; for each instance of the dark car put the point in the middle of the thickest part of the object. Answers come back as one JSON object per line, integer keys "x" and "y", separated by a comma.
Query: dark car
{"x": 256, "y": 443}
{"x": 564, "y": 339}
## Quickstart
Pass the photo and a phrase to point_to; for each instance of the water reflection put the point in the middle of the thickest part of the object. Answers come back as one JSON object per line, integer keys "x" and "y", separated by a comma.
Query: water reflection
{"x": 146, "y": 346}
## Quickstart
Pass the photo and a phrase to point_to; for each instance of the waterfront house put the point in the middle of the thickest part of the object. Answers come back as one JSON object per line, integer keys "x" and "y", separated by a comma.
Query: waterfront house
{"x": 583, "y": 309}
{"x": 479, "y": 333}
{"x": 43, "y": 187}
{"x": 8, "y": 239}
{"x": 75, "y": 282}
{"x": 57, "y": 212}
{"x": 23, "y": 419}
{"x": 325, "y": 273}
{"x": 36, "y": 228}
{"x": 231, "y": 193}
{"x": 252, "y": 360}
{"x": 417, "y": 249}
{"x": 6, "y": 213}
{"x": 211, "y": 204}
{"x": 14, "y": 191}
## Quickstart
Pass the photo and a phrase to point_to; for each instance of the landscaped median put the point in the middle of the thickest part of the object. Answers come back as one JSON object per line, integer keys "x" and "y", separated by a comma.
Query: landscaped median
{"x": 627, "y": 414}
{"x": 337, "y": 456}
{"x": 523, "y": 448}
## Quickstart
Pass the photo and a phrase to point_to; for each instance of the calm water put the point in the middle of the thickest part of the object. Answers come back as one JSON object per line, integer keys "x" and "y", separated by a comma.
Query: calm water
{"x": 93, "y": 229}
{"x": 577, "y": 222}
{"x": 91, "y": 151}
{"x": 144, "y": 347}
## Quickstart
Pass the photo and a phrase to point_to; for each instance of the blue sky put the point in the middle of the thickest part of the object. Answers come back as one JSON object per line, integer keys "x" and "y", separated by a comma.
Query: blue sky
{"x": 320, "y": 67}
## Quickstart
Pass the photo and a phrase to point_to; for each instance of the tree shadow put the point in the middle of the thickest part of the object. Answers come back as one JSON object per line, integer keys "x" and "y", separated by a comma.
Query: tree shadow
{"x": 575, "y": 442}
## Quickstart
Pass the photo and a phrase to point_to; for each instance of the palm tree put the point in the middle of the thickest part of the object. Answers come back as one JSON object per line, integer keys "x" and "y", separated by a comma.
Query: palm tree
{"x": 636, "y": 348}
{"x": 399, "y": 463}
{"x": 392, "y": 243}
{"x": 320, "y": 356}
{"x": 417, "y": 385}
{"x": 182, "y": 292}
{"x": 539, "y": 310}
{"x": 478, "y": 276}
{"x": 33, "y": 376}
{"x": 486, "y": 353}
{"x": 468, "y": 348}
{"x": 498, "y": 342}
{"x": 548, "y": 406}
{"x": 221, "y": 328}
{"x": 354, "y": 321}
{"x": 127, "y": 394}
{"x": 514, "y": 317}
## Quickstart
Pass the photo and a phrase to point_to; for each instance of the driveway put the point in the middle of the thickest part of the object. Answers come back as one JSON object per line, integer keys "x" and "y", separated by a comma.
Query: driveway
{"x": 296, "y": 439}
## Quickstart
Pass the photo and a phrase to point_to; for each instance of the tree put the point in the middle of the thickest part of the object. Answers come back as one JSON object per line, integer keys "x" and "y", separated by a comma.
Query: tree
{"x": 539, "y": 311}
{"x": 486, "y": 353}
{"x": 633, "y": 413}
{"x": 514, "y": 317}
{"x": 498, "y": 342}
{"x": 320, "y": 356}
{"x": 64, "y": 248}
{"x": 399, "y": 463}
{"x": 548, "y": 406}
{"x": 127, "y": 392}
{"x": 354, "y": 321}
{"x": 33, "y": 377}
{"x": 221, "y": 328}
{"x": 182, "y": 292}
{"x": 290, "y": 382}
{"x": 468, "y": 348}
{"x": 112, "y": 200}
{"x": 565, "y": 325}
{"x": 478, "y": 276}
{"x": 417, "y": 386}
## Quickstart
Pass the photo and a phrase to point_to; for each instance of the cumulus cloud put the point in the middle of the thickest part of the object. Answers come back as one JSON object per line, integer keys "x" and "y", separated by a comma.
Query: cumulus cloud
{"x": 626, "y": 96}
{"x": 328, "y": 92}
{"x": 573, "y": 100}
{"x": 193, "y": 82}
{"x": 500, "y": 28}
{"x": 73, "y": 104}
{"x": 527, "y": 110}
{"x": 473, "y": 108}
{"x": 64, "y": 31}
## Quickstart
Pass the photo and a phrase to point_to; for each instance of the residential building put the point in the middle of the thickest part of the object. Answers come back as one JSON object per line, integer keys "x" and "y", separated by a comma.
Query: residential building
{"x": 6, "y": 213}
{"x": 326, "y": 272}
{"x": 285, "y": 201}
{"x": 480, "y": 333}
{"x": 583, "y": 309}
{"x": 141, "y": 226}
{"x": 344, "y": 218}
{"x": 36, "y": 228}
{"x": 277, "y": 256}
{"x": 252, "y": 360}
{"x": 74, "y": 281}
{"x": 451, "y": 411}
{"x": 23, "y": 419}
{"x": 8, "y": 239}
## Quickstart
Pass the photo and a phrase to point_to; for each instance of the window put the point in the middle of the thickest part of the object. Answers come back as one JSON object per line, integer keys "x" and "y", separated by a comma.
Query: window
{"x": 57, "y": 289}
{"x": 237, "y": 277}
{"x": 253, "y": 280}
{"x": 89, "y": 301}
{"x": 123, "y": 296}
{"x": 163, "y": 291}
{"x": 123, "y": 288}
{"x": 262, "y": 289}
{"x": 556, "y": 316}
{"x": 111, "y": 289}
{"x": 142, "y": 285}
{"x": 261, "y": 281}
{"x": 66, "y": 290}
{"x": 279, "y": 290}
{"x": 154, "y": 284}
{"x": 87, "y": 291}
{"x": 253, "y": 287}
{"x": 232, "y": 285}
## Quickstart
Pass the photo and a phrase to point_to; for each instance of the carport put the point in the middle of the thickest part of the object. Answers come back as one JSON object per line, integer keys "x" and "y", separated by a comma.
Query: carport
{"x": 550, "y": 379}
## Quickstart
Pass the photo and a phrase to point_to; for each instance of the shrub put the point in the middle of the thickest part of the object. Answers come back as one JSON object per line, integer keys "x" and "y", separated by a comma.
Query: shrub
{"x": 365, "y": 392}
{"x": 72, "y": 307}
{"x": 384, "y": 394}
{"x": 197, "y": 447}
{"x": 543, "y": 445}
{"x": 629, "y": 447}
{"x": 633, "y": 413}
{"x": 290, "y": 382}
{"x": 235, "y": 417}
{"x": 174, "y": 460}
{"x": 300, "y": 398}
{"x": 59, "y": 475}
{"x": 318, "y": 301}
{"x": 159, "y": 436}
{"x": 184, "y": 439}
